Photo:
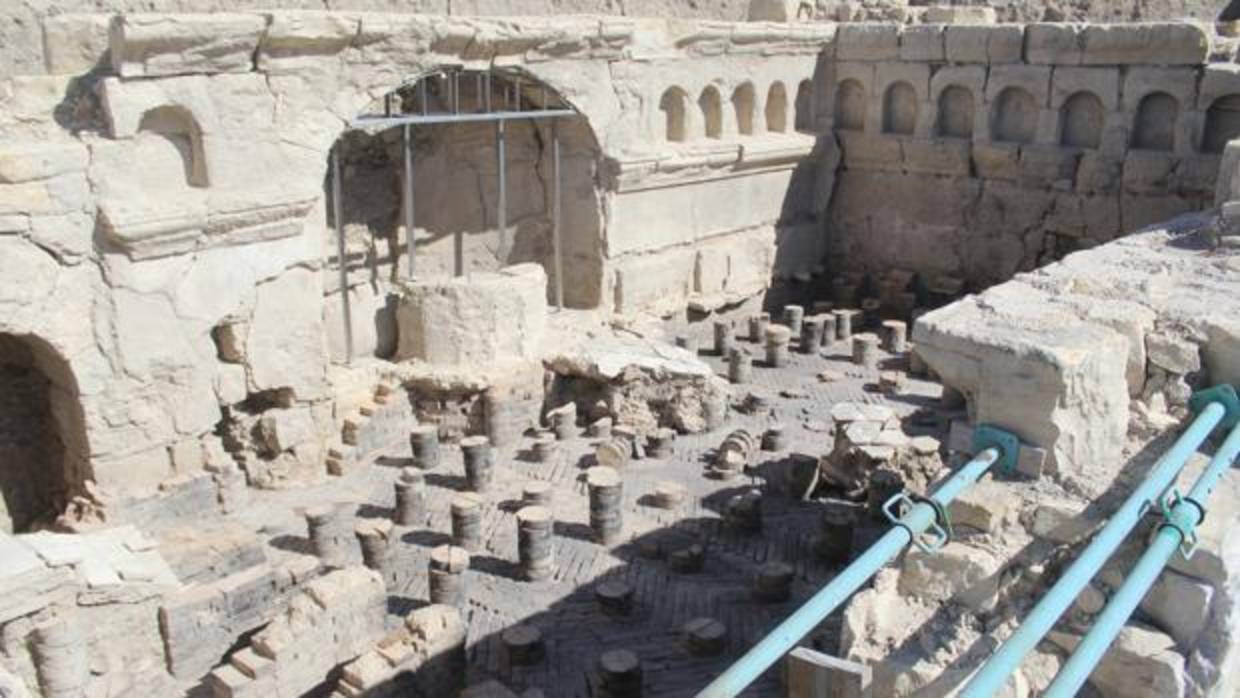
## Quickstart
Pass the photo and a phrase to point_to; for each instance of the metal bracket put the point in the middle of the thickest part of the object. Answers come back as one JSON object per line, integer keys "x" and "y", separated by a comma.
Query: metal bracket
{"x": 931, "y": 540}
{"x": 989, "y": 436}
{"x": 1223, "y": 394}
{"x": 1188, "y": 532}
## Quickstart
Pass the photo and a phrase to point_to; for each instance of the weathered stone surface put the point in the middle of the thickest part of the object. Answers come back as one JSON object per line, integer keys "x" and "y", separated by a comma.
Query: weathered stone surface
{"x": 332, "y": 620}
{"x": 284, "y": 347}
{"x": 474, "y": 320}
{"x": 960, "y": 572}
{"x": 1138, "y": 43}
{"x": 867, "y": 42}
{"x": 153, "y": 45}
{"x": 1141, "y": 662}
{"x": 1067, "y": 381}
{"x": 1180, "y": 605}
{"x": 984, "y": 506}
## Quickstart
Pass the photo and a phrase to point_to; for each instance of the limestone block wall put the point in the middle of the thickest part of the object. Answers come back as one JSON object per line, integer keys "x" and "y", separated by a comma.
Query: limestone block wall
{"x": 1011, "y": 145}
{"x": 717, "y": 187}
{"x": 168, "y": 256}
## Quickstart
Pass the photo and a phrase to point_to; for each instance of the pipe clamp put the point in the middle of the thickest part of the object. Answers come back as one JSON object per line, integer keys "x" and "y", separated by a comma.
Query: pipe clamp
{"x": 1223, "y": 394}
{"x": 936, "y": 535}
{"x": 1186, "y": 529}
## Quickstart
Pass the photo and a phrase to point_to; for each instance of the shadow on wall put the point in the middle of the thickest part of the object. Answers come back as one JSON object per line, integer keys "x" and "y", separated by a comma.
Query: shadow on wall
{"x": 801, "y": 244}
{"x": 44, "y": 457}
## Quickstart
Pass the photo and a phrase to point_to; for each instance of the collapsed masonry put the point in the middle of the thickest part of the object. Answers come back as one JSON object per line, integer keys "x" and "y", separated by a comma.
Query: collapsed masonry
{"x": 241, "y": 446}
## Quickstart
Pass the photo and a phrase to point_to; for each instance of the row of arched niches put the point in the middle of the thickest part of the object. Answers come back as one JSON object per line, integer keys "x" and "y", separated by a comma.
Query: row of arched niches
{"x": 1013, "y": 115}
{"x": 755, "y": 111}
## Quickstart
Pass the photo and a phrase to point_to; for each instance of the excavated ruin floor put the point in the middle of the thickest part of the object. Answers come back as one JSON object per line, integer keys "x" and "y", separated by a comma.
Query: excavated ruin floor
{"x": 575, "y": 630}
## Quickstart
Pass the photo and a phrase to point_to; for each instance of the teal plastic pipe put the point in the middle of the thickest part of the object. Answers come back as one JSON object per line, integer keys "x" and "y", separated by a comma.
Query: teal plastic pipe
{"x": 784, "y": 637}
{"x": 1184, "y": 516}
{"x": 991, "y": 677}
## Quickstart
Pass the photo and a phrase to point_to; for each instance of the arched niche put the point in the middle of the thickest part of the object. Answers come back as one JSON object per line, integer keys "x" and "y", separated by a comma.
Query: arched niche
{"x": 44, "y": 456}
{"x": 712, "y": 112}
{"x": 177, "y": 126}
{"x": 1157, "y": 116}
{"x": 850, "y": 106}
{"x": 674, "y": 105}
{"x": 956, "y": 109}
{"x": 1015, "y": 118}
{"x": 454, "y": 161}
{"x": 900, "y": 109}
{"x": 743, "y": 105}
{"x": 804, "y": 119}
{"x": 777, "y": 108}
{"x": 1222, "y": 123}
{"x": 1081, "y": 119}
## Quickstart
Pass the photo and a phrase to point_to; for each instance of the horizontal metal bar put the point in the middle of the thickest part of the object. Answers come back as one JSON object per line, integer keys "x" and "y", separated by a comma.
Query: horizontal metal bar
{"x": 369, "y": 122}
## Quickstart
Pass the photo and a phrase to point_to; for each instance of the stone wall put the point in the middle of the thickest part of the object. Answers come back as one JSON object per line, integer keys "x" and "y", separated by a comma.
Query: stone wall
{"x": 1039, "y": 355}
{"x": 166, "y": 231}
{"x": 1012, "y": 144}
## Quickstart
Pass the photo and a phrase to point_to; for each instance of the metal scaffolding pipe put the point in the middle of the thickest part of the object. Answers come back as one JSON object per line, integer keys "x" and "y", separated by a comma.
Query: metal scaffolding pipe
{"x": 407, "y": 146}
{"x": 1182, "y": 517}
{"x": 916, "y": 521}
{"x": 556, "y": 233}
{"x": 338, "y": 210}
{"x": 991, "y": 677}
{"x": 502, "y": 205}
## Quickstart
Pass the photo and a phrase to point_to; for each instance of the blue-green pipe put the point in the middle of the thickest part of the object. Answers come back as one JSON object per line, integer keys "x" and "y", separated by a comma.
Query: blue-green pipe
{"x": 991, "y": 677}
{"x": 784, "y": 637}
{"x": 1107, "y": 625}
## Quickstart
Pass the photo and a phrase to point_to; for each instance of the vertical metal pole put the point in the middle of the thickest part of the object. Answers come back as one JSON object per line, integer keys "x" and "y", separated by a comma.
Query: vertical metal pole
{"x": 337, "y": 209}
{"x": 556, "y": 239}
{"x": 422, "y": 91}
{"x": 502, "y": 206}
{"x": 408, "y": 192}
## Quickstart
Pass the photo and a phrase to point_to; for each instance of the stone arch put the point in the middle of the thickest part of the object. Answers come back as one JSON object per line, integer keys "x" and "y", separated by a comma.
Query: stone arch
{"x": 777, "y": 108}
{"x": 712, "y": 112}
{"x": 1081, "y": 120}
{"x": 850, "y": 106}
{"x": 44, "y": 454}
{"x": 743, "y": 104}
{"x": 177, "y": 125}
{"x": 456, "y": 194}
{"x": 804, "y": 119}
{"x": 956, "y": 109}
{"x": 674, "y": 105}
{"x": 1154, "y": 128}
{"x": 900, "y": 109}
{"x": 1015, "y": 116}
{"x": 1222, "y": 123}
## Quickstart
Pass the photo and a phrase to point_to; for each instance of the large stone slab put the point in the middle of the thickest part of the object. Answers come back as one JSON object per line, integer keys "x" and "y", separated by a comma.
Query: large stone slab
{"x": 1029, "y": 366}
{"x": 476, "y": 319}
